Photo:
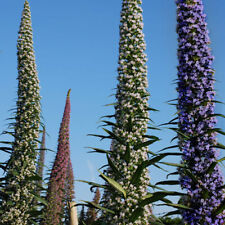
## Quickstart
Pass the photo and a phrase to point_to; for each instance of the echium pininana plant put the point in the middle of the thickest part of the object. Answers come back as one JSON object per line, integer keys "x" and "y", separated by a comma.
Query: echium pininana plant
{"x": 202, "y": 178}
{"x": 131, "y": 115}
{"x": 21, "y": 165}
{"x": 69, "y": 191}
{"x": 56, "y": 194}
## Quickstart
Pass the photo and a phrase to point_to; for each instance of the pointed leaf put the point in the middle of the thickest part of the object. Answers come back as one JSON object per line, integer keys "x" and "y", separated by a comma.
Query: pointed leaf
{"x": 173, "y": 213}
{"x": 168, "y": 182}
{"x": 113, "y": 183}
{"x": 113, "y": 136}
{"x": 97, "y": 206}
{"x": 113, "y": 167}
{"x": 170, "y": 147}
{"x": 173, "y": 164}
{"x": 98, "y": 150}
{"x": 137, "y": 175}
{"x": 144, "y": 144}
{"x": 156, "y": 187}
{"x": 178, "y": 206}
{"x": 40, "y": 199}
{"x": 171, "y": 174}
{"x": 219, "y": 145}
{"x": 153, "y": 128}
{"x": 92, "y": 183}
{"x": 157, "y": 196}
{"x": 100, "y": 136}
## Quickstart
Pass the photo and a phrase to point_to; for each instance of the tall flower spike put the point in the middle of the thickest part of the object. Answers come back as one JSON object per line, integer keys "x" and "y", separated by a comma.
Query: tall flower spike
{"x": 56, "y": 193}
{"x": 131, "y": 114}
{"x": 196, "y": 116}
{"x": 21, "y": 166}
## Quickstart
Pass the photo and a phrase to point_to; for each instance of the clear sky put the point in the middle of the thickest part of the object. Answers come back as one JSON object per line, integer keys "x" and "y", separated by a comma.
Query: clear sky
{"x": 76, "y": 46}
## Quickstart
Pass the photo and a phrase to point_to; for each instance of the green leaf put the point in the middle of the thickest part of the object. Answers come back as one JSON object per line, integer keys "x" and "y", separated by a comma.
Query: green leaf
{"x": 114, "y": 103}
{"x": 137, "y": 175}
{"x": 219, "y": 145}
{"x": 152, "y": 153}
{"x": 109, "y": 123}
{"x": 179, "y": 132}
{"x": 174, "y": 138}
{"x": 100, "y": 136}
{"x": 178, "y": 206}
{"x": 92, "y": 183}
{"x": 6, "y": 142}
{"x": 152, "y": 109}
{"x": 172, "y": 154}
{"x": 113, "y": 167}
{"x": 156, "y": 187}
{"x": 108, "y": 116}
{"x": 97, "y": 206}
{"x": 173, "y": 164}
{"x": 170, "y": 147}
{"x": 98, "y": 150}
{"x": 220, "y": 160}
{"x": 159, "y": 167}
{"x": 176, "y": 118}
{"x": 152, "y": 137}
{"x": 157, "y": 196}
{"x": 169, "y": 123}
{"x": 172, "y": 174}
{"x": 40, "y": 199}
{"x": 144, "y": 144}
{"x": 153, "y": 128}
{"x": 218, "y": 102}
{"x": 114, "y": 184}
{"x": 113, "y": 136}
{"x": 173, "y": 213}
{"x": 168, "y": 182}
{"x": 218, "y": 130}
{"x": 5, "y": 149}
{"x": 148, "y": 195}
{"x": 166, "y": 200}
{"x": 218, "y": 114}
{"x": 173, "y": 100}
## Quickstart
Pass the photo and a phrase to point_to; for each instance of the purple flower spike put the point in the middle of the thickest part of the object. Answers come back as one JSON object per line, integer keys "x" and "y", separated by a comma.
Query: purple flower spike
{"x": 196, "y": 116}
{"x": 58, "y": 177}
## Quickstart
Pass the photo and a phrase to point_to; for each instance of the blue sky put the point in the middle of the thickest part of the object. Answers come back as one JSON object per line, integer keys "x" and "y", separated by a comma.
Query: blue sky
{"x": 76, "y": 46}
